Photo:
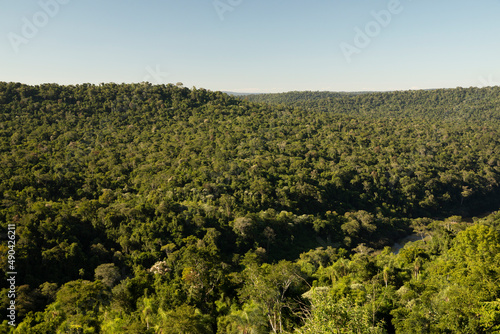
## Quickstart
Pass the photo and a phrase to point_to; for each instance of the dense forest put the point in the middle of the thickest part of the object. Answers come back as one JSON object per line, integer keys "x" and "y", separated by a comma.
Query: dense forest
{"x": 144, "y": 208}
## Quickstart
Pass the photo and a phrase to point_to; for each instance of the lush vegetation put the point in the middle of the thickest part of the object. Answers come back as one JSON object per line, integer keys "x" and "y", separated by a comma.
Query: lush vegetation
{"x": 162, "y": 209}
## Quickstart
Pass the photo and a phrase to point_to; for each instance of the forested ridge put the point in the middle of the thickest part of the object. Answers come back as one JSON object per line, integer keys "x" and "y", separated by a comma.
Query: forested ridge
{"x": 146, "y": 208}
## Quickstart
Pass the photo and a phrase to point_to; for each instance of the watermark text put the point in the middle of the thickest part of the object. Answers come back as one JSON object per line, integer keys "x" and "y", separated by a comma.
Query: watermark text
{"x": 30, "y": 27}
{"x": 11, "y": 274}
{"x": 364, "y": 36}
{"x": 224, "y": 6}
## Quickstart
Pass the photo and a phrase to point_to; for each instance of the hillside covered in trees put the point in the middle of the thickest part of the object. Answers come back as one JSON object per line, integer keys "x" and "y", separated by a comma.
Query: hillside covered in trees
{"x": 146, "y": 208}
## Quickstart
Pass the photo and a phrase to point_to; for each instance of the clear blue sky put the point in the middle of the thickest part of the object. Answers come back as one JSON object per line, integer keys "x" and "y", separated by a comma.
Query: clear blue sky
{"x": 256, "y": 46}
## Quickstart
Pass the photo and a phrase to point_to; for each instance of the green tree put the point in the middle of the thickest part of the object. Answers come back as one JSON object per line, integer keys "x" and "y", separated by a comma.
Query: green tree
{"x": 269, "y": 286}
{"x": 108, "y": 273}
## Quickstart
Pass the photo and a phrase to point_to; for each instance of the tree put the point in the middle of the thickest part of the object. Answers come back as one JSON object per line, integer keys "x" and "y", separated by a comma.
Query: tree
{"x": 183, "y": 319}
{"x": 108, "y": 273}
{"x": 268, "y": 286}
{"x": 338, "y": 316}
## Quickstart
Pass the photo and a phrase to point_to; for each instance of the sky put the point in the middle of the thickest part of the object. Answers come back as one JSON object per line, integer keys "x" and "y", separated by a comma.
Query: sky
{"x": 253, "y": 46}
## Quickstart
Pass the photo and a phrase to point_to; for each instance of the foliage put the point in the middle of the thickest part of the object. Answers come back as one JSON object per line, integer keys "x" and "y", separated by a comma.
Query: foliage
{"x": 160, "y": 209}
